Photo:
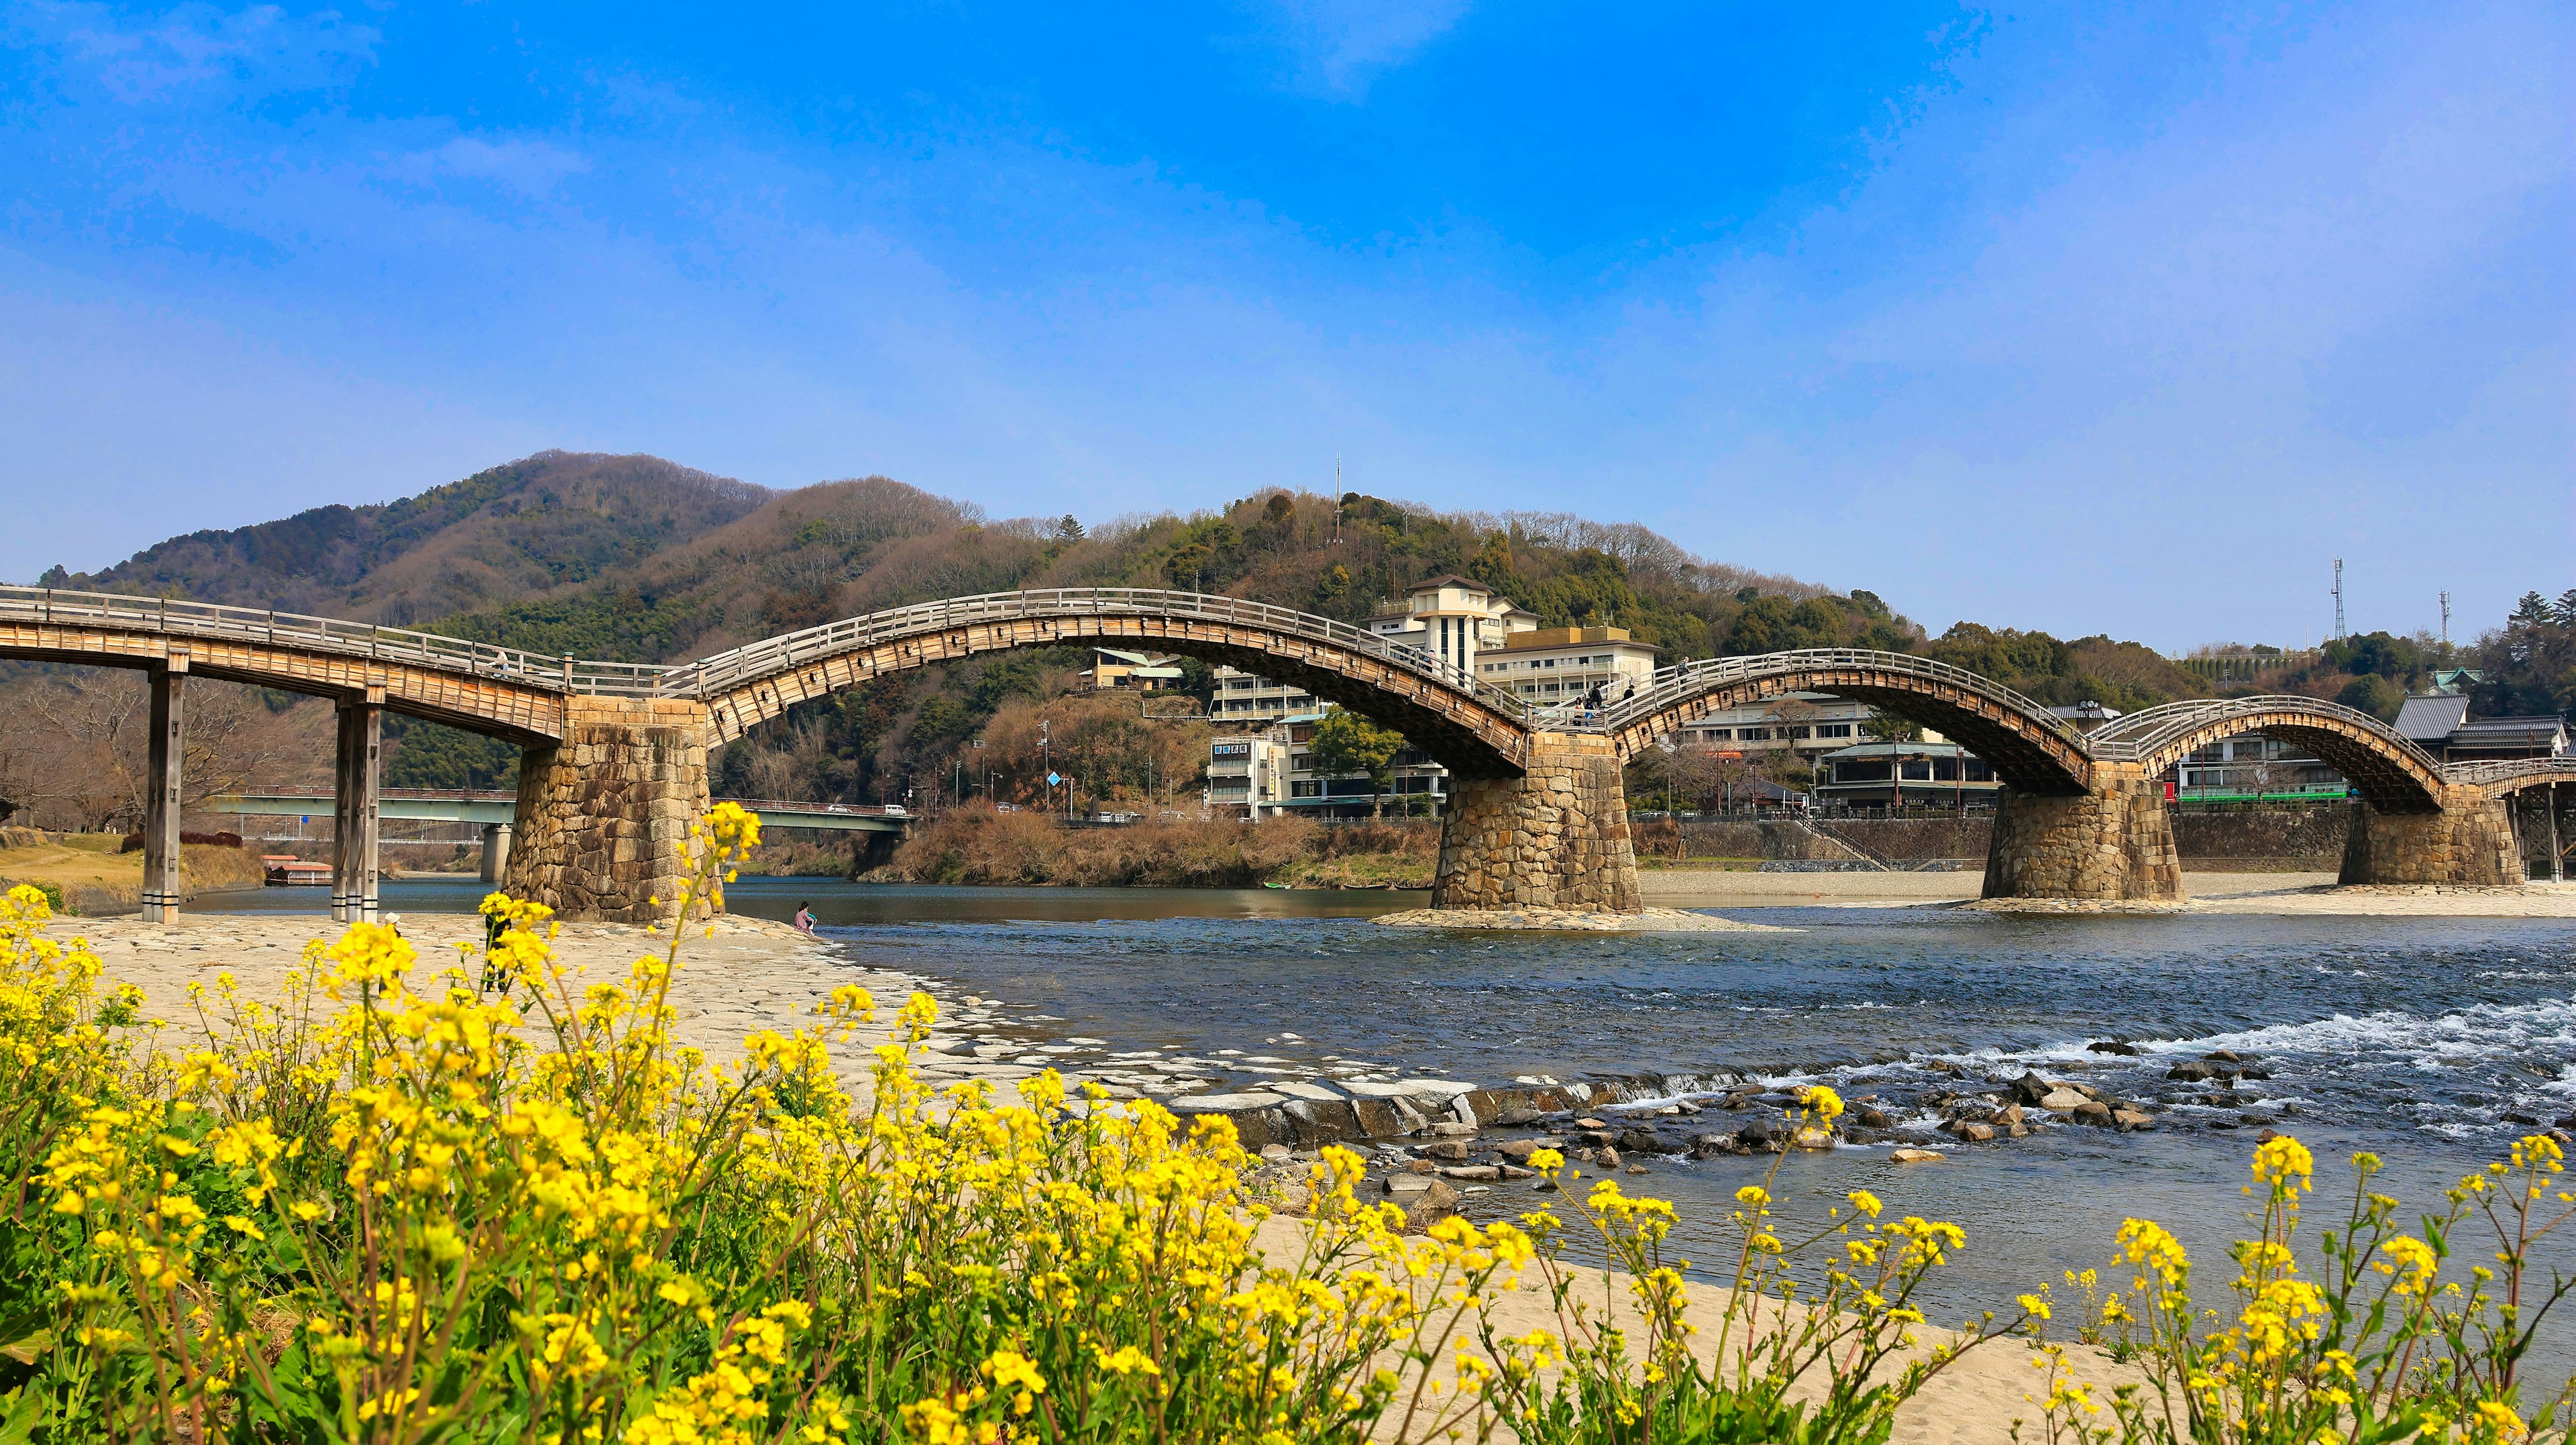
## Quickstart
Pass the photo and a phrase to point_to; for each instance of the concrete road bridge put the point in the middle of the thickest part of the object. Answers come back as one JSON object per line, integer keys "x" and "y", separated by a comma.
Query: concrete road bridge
{"x": 613, "y": 762}
{"x": 873, "y": 826}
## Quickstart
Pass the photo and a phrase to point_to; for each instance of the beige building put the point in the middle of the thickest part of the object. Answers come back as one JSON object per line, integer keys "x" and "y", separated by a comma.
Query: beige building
{"x": 1113, "y": 667}
{"x": 1565, "y": 664}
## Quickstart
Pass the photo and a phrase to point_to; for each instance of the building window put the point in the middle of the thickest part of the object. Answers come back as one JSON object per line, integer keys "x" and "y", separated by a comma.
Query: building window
{"x": 1718, "y": 735}
{"x": 1754, "y": 735}
{"x": 1833, "y": 730}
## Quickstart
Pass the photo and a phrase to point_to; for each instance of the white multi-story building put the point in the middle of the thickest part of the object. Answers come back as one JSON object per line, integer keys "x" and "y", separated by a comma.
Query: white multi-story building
{"x": 1260, "y": 765}
{"x": 1452, "y": 618}
{"x": 1568, "y": 664}
{"x": 1246, "y": 771}
{"x": 1809, "y": 724}
{"x": 1245, "y": 701}
{"x": 1264, "y": 774}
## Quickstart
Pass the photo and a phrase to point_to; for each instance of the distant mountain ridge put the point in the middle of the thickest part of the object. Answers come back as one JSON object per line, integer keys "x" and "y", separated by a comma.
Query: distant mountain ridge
{"x": 550, "y": 520}
{"x": 634, "y": 558}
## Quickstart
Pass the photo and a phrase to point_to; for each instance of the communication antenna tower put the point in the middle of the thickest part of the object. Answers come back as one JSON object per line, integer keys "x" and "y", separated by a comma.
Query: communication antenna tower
{"x": 2446, "y": 619}
{"x": 2338, "y": 597}
{"x": 1337, "y": 499}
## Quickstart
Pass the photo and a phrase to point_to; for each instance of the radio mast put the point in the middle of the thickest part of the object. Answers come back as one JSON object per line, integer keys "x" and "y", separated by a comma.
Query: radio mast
{"x": 2446, "y": 619}
{"x": 2338, "y": 597}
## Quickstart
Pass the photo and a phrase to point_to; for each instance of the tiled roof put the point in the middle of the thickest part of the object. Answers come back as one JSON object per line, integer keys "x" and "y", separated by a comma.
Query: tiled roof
{"x": 2431, "y": 719}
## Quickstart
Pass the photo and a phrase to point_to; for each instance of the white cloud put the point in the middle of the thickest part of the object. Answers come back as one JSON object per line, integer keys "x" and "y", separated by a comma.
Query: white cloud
{"x": 1347, "y": 42}
{"x": 526, "y": 165}
{"x": 255, "y": 50}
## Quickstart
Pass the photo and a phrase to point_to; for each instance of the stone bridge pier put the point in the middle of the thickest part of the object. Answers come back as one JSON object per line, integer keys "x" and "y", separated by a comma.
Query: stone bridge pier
{"x": 2113, "y": 842}
{"x": 2467, "y": 842}
{"x": 1554, "y": 837}
{"x": 601, "y": 814}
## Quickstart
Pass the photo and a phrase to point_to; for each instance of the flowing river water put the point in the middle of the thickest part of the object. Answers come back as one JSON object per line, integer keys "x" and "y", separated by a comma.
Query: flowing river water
{"x": 2424, "y": 1040}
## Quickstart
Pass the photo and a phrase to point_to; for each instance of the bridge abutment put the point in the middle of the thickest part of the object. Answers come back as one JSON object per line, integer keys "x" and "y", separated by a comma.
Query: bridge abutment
{"x": 2468, "y": 843}
{"x": 1554, "y": 837}
{"x": 2112, "y": 843}
{"x": 602, "y": 814}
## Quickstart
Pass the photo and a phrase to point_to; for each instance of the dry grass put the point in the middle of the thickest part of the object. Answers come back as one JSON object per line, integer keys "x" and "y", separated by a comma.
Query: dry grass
{"x": 94, "y": 878}
{"x": 981, "y": 846}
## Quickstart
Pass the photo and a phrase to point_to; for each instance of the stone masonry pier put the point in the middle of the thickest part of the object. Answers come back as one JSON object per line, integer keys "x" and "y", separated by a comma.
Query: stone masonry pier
{"x": 2111, "y": 843}
{"x": 1555, "y": 837}
{"x": 602, "y": 814}
{"x": 2468, "y": 841}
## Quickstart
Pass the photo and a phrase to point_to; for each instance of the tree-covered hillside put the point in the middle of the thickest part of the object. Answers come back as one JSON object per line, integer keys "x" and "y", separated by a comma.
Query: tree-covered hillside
{"x": 552, "y": 520}
{"x": 637, "y": 559}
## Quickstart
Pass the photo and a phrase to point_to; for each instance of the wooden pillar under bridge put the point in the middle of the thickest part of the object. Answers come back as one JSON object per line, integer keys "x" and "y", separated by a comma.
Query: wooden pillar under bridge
{"x": 164, "y": 753}
{"x": 2557, "y": 855}
{"x": 355, "y": 798}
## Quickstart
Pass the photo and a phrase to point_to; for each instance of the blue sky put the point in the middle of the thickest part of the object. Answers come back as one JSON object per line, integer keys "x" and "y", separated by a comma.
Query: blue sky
{"x": 2102, "y": 318}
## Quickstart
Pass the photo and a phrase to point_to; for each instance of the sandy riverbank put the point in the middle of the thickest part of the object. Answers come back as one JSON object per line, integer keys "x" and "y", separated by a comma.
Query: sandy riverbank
{"x": 752, "y": 974}
{"x": 2264, "y": 893}
{"x": 1976, "y": 1400}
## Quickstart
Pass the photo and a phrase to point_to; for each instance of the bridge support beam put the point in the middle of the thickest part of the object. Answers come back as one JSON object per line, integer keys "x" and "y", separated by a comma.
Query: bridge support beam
{"x": 602, "y": 814}
{"x": 496, "y": 851}
{"x": 163, "y": 753}
{"x": 2113, "y": 843}
{"x": 356, "y": 799}
{"x": 1555, "y": 837}
{"x": 2468, "y": 843}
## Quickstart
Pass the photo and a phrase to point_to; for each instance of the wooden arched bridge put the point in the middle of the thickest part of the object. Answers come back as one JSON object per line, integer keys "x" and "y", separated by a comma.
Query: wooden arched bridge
{"x": 614, "y": 761}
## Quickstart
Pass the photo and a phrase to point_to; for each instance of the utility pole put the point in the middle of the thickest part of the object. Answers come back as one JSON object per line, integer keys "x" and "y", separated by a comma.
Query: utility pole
{"x": 2338, "y": 597}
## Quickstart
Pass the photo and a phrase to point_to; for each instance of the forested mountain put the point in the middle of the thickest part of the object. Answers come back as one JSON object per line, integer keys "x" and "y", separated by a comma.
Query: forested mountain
{"x": 638, "y": 559}
{"x": 548, "y": 521}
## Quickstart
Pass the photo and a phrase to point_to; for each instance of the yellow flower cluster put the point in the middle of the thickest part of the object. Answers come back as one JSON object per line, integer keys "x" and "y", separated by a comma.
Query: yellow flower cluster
{"x": 2373, "y": 1346}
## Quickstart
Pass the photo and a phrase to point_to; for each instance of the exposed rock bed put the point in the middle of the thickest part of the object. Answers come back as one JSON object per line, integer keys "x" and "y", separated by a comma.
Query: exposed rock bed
{"x": 2076, "y": 905}
{"x": 1651, "y": 920}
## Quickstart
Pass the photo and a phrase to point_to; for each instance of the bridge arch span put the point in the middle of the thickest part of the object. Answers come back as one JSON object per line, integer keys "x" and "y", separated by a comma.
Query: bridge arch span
{"x": 500, "y": 691}
{"x": 2392, "y": 774}
{"x": 2507, "y": 777}
{"x": 2030, "y": 749}
{"x": 1474, "y": 729}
